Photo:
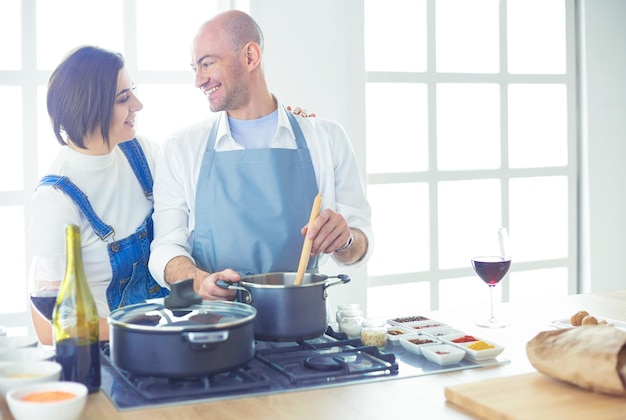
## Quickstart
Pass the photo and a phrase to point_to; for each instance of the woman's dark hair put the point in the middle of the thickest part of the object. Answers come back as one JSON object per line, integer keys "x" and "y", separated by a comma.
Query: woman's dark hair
{"x": 81, "y": 93}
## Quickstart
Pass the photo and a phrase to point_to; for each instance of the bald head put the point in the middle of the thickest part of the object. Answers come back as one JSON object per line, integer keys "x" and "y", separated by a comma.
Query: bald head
{"x": 237, "y": 28}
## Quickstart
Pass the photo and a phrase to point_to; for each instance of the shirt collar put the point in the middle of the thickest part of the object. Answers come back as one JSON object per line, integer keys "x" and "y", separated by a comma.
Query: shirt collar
{"x": 224, "y": 134}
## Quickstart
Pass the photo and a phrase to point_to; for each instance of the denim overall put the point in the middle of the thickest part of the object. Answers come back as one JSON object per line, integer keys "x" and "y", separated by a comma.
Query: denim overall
{"x": 131, "y": 282}
{"x": 251, "y": 205}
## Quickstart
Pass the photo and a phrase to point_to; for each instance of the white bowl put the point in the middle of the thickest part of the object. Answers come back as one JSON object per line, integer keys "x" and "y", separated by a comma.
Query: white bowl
{"x": 9, "y": 342}
{"x": 423, "y": 326}
{"x": 485, "y": 354}
{"x": 443, "y": 354}
{"x": 408, "y": 342}
{"x": 26, "y": 354}
{"x": 442, "y": 332}
{"x": 395, "y": 332}
{"x": 69, "y": 409}
{"x": 17, "y": 374}
{"x": 465, "y": 338}
{"x": 403, "y": 320}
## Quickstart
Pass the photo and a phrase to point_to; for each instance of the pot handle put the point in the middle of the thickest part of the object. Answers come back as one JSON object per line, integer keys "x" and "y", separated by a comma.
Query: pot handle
{"x": 235, "y": 286}
{"x": 204, "y": 341}
{"x": 340, "y": 278}
{"x": 196, "y": 337}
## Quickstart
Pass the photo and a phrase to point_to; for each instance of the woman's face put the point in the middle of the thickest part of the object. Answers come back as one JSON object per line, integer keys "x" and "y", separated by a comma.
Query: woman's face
{"x": 125, "y": 106}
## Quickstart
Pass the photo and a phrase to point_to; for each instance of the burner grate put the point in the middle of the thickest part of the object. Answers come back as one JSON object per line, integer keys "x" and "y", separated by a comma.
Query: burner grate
{"x": 159, "y": 388}
{"x": 327, "y": 362}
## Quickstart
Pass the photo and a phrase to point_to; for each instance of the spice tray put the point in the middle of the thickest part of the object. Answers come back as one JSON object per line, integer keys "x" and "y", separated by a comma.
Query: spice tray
{"x": 475, "y": 348}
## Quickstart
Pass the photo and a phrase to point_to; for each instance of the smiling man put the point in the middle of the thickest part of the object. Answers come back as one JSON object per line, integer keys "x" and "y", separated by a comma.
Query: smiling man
{"x": 233, "y": 194}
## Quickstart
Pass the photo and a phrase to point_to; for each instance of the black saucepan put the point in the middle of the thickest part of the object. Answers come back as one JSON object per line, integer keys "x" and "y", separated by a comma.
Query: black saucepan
{"x": 181, "y": 335}
{"x": 286, "y": 312}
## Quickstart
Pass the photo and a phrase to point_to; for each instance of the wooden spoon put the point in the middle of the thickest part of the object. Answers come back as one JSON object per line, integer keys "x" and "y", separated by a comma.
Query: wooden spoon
{"x": 308, "y": 243}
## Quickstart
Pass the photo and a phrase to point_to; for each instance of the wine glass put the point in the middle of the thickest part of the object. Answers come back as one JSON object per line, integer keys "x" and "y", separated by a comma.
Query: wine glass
{"x": 491, "y": 269}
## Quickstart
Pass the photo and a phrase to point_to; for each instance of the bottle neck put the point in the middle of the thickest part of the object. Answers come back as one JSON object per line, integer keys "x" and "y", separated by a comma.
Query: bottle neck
{"x": 73, "y": 247}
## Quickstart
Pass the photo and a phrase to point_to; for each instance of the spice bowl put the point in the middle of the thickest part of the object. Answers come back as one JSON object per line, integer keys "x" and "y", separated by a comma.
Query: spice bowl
{"x": 414, "y": 343}
{"x": 404, "y": 320}
{"x": 395, "y": 333}
{"x": 481, "y": 349}
{"x": 443, "y": 354}
{"x": 48, "y": 400}
{"x": 442, "y": 332}
{"x": 26, "y": 354}
{"x": 422, "y": 326}
{"x": 17, "y": 374}
{"x": 11, "y": 342}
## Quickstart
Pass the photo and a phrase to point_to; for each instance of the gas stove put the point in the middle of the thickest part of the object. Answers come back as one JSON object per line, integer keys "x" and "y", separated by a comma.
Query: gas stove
{"x": 277, "y": 367}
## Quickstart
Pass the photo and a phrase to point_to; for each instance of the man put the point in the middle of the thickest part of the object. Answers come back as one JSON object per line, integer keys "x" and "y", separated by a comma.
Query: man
{"x": 233, "y": 195}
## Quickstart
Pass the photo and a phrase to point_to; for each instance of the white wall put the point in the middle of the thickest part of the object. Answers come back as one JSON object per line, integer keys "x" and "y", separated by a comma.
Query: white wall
{"x": 603, "y": 135}
{"x": 314, "y": 59}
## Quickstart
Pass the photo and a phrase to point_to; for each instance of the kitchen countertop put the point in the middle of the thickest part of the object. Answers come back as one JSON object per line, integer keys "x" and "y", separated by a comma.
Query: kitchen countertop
{"x": 421, "y": 396}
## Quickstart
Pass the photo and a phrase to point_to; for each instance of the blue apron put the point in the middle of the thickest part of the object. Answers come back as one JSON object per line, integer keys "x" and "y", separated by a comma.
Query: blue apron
{"x": 131, "y": 281}
{"x": 251, "y": 205}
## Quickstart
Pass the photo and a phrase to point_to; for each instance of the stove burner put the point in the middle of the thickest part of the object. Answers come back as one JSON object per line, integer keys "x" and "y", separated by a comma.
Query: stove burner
{"x": 323, "y": 363}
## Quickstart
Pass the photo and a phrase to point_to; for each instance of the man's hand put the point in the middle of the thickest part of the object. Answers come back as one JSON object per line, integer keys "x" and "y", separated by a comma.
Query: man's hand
{"x": 211, "y": 291}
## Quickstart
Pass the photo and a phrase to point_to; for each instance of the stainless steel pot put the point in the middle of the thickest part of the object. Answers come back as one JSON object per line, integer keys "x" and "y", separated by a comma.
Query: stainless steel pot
{"x": 170, "y": 338}
{"x": 287, "y": 312}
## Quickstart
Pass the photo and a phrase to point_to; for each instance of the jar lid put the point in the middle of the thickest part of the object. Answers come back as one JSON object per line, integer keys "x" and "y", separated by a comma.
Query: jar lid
{"x": 370, "y": 322}
{"x": 348, "y": 306}
{"x": 351, "y": 313}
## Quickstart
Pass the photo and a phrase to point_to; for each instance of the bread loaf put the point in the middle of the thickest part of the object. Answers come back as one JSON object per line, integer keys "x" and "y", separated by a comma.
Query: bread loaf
{"x": 592, "y": 357}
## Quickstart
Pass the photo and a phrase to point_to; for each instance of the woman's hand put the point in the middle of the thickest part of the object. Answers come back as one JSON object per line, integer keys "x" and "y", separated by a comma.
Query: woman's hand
{"x": 301, "y": 112}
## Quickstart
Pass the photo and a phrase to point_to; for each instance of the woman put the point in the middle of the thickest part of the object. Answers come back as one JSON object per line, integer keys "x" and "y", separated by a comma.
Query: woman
{"x": 101, "y": 181}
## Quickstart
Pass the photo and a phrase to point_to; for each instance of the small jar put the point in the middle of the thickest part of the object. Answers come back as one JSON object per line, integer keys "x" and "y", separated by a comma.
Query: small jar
{"x": 374, "y": 333}
{"x": 346, "y": 307}
{"x": 350, "y": 322}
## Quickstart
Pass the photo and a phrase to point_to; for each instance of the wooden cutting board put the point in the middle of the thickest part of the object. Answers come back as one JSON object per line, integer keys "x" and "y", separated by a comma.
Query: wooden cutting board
{"x": 533, "y": 396}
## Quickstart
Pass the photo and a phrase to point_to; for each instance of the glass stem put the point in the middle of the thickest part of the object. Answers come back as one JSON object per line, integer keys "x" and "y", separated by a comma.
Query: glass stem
{"x": 493, "y": 316}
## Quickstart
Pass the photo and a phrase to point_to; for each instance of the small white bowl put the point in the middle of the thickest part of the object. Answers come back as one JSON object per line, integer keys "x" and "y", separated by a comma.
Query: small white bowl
{"x": 16, "y": 374}
{"x": 26, "y": 354}
{"x": 423, "y": 326}
{"x": 443, "y": 354}
{"x": 403, "y": 320}
{"x": 10, "y": 342}
{"x": 485, "y": 354}
{"x": 69, "y": 409}
{"x": 409, "y": 344}
{"x": 394, "y": 333}
{"x": 442, "y": 332}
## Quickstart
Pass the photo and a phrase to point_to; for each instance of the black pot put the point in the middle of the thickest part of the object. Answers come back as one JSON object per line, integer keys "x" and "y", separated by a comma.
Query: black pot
{"x": 286, "y": 312}
{"x": 176, "y": 341}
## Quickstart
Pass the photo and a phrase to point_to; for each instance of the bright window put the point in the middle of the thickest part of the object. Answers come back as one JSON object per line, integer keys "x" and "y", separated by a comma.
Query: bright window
{"x": 155, "y": 38}
{"x": 471, "y": 130}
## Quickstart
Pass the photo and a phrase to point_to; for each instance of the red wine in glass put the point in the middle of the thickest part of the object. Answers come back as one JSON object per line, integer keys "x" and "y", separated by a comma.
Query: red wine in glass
{"x": 491, "y": 270}
{"x": 44, "y": 301}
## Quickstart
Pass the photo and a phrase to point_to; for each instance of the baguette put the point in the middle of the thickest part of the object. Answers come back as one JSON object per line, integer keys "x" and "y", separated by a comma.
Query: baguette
{"x": 592, "y": 357}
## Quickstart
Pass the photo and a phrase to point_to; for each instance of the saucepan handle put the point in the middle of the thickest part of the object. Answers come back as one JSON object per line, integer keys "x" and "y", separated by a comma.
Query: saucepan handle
{"x": 338, "y": 279}
{"x": 247, "y": 298}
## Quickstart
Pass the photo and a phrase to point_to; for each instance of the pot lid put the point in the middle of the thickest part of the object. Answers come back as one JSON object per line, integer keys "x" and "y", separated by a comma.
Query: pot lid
{"x": 207, "y": 315}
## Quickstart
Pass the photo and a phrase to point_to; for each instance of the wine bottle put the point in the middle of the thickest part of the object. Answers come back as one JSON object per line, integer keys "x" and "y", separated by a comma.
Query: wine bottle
{"x": 75, "y": 320}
